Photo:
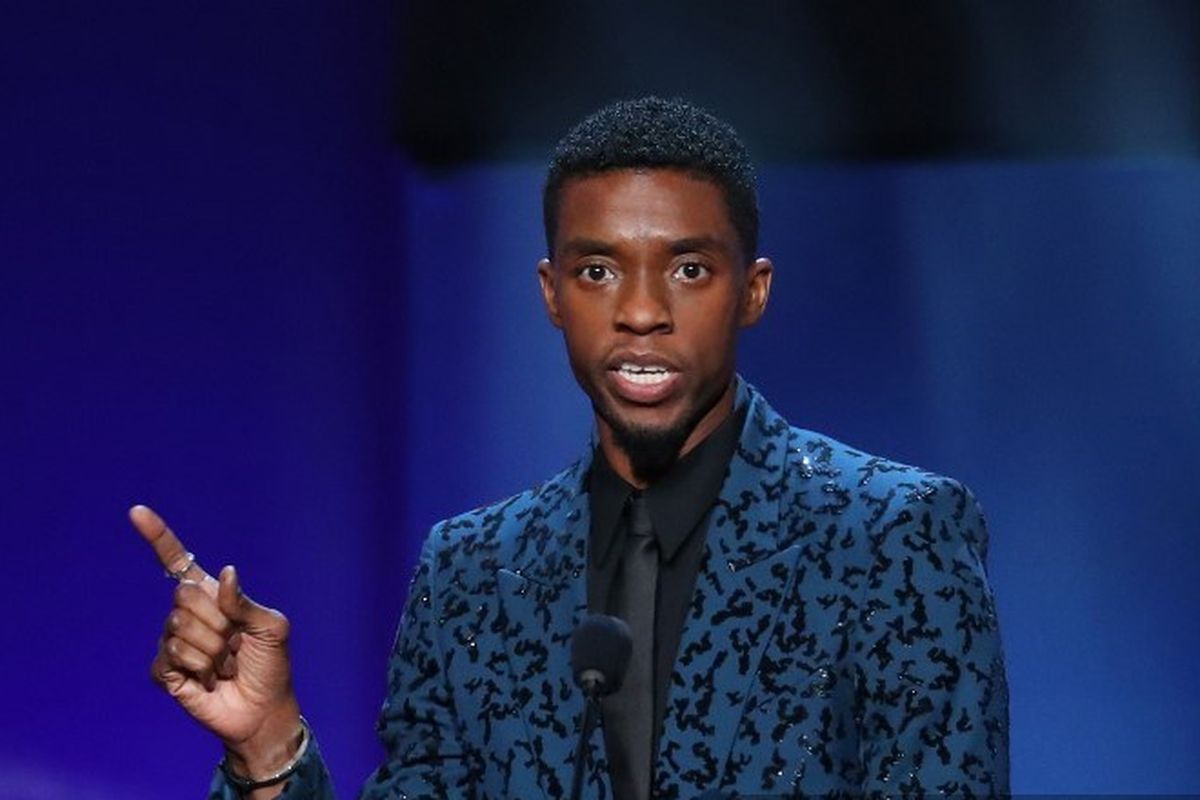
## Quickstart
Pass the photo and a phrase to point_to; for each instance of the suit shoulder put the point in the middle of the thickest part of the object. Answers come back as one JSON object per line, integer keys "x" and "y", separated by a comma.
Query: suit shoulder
{"x": 496, "y": 525}
{"x": 818, "y": 455}
{"x": 883, "y": 487}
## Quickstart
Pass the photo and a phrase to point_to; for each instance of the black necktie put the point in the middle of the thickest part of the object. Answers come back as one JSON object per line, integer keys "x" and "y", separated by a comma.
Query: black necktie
{"x": 629, "y": 714}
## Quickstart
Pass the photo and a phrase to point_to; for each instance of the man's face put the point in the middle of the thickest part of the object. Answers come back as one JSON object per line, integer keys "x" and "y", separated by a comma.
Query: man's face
{"x": 649, "y": 287}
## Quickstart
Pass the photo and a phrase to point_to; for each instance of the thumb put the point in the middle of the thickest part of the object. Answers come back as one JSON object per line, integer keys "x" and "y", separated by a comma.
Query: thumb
{"x": 256, "y": 620}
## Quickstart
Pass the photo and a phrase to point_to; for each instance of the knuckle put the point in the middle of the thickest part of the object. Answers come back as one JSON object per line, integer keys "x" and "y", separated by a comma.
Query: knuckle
{"x": 183, "y": 591}
{"x": 190, "y": 659}
{"x": 282, "y": 626}
{"x": 210, "y": 644}
{"x": 173, "y": 656}
{"x": 192, "y": 597}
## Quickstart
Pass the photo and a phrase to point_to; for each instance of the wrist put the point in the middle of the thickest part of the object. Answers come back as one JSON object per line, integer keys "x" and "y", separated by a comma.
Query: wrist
{"x": 270, "y": 748}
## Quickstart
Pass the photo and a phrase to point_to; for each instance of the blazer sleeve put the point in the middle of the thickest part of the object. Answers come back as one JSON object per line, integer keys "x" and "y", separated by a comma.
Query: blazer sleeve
{"x": 310, "y": 781}
{"x": 932, "y": 688}
{"x": 418, "y": 725}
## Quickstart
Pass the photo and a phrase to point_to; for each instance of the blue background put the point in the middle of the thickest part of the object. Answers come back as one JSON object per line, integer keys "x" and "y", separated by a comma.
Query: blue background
{"x": 224, "y": 293}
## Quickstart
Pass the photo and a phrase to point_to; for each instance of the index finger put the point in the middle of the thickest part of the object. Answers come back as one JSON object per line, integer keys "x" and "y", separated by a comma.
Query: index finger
{"x": 170, "y": 551}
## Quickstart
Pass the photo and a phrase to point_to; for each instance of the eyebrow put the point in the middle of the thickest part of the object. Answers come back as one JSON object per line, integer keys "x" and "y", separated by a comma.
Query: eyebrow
{"x": 596, "y": 247}
{"x": 588, "y": 247}
{"x": 695, "y": 244}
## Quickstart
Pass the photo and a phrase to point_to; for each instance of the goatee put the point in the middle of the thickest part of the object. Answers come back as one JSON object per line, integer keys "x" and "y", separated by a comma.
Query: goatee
{"x": 652, "y": 451}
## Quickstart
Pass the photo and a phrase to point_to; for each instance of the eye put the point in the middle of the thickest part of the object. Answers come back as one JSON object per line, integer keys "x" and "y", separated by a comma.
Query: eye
{"x": 595, "y": 273}
{"x": 691, "y": 271}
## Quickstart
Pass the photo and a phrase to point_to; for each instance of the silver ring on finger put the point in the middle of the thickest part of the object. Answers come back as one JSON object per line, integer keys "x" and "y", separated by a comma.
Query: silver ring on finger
{"x": 178, "y": 574}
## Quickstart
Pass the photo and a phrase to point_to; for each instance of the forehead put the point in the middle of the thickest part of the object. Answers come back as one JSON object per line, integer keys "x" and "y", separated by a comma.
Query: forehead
{"x": 643, "y": 204}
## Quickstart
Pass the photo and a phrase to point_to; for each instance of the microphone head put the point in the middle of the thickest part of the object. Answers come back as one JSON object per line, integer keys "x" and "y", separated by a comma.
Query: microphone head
{"x": 600, "y": 650}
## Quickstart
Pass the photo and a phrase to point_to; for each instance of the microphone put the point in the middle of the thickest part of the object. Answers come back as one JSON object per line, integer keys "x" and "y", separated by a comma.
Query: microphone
{"x": 600, "y": 650}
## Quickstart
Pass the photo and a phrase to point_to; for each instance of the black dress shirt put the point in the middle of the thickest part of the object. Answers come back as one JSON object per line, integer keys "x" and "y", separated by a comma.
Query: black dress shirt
{"x": 680, "y": 504}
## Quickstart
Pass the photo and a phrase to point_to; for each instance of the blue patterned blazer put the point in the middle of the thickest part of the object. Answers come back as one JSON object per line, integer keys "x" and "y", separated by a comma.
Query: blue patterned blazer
{"x": 842, "y": 639}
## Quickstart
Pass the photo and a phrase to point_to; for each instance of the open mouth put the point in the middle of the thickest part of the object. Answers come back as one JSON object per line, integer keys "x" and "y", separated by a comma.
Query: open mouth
{"x": 644, "y": 375}
{"x": 647, "y": 383}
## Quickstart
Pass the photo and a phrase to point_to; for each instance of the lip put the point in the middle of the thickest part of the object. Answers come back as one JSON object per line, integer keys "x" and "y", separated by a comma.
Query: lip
{"x": 642, "y": 393}
{"x": 640, "y": 358}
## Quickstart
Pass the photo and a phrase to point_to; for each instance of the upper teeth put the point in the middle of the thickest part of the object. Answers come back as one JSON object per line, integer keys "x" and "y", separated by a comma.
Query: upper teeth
{"x": 639, "y": 374}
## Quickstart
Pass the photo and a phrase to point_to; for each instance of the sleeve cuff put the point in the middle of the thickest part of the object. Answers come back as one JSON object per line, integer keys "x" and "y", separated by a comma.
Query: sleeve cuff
{"x": 310, "y": 781}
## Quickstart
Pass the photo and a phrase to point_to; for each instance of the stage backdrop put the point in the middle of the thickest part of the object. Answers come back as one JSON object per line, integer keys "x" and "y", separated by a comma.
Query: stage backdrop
{"x": 223, "y": 293}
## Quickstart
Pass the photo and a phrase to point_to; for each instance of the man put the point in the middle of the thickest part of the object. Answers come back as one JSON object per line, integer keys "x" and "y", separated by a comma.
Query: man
{"x": 807, "y": 619}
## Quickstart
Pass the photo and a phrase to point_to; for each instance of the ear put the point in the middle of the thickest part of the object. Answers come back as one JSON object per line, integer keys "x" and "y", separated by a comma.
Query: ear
{"x": 757, "y": 290}
{"x": 545, "y": 273}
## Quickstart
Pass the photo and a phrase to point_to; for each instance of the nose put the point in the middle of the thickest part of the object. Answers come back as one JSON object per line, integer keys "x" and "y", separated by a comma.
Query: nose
{"x": 643, "y": 304}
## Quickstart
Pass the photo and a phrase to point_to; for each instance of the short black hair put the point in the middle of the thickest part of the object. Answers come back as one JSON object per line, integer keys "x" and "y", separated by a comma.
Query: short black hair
{"x": 650, "y": 133}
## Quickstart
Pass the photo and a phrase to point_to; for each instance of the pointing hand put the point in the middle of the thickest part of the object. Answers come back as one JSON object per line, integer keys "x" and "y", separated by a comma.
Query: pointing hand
{"x": 224, "y": 657}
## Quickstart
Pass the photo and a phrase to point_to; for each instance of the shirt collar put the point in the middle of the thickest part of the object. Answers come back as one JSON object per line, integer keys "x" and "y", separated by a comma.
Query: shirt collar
{"x": 609, "y": 493}
{"x": 677, "y": 502}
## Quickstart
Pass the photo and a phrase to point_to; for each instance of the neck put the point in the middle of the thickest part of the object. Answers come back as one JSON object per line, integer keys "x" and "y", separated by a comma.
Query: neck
{"x": 622, "y": 464}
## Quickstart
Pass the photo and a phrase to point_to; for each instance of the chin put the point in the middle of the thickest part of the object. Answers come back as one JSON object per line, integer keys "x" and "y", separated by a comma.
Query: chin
{"x": 652, "y": 448}
{"x": 651, "y": 451}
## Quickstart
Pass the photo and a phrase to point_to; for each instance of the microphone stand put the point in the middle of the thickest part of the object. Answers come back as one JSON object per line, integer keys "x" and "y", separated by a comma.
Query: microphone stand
{"x": 591, "y": 710}
{"x": 600, "y": 648}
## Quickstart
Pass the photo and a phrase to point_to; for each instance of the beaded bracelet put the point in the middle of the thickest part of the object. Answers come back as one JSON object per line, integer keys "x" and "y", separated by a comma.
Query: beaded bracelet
{"x": 249, "y": 784}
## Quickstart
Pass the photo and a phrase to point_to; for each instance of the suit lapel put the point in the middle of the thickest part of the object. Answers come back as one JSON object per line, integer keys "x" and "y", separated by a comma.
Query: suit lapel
{"x": 543, "y": 594}
{"x": 738, "y": 590}
{"x": 741, "y": 582}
